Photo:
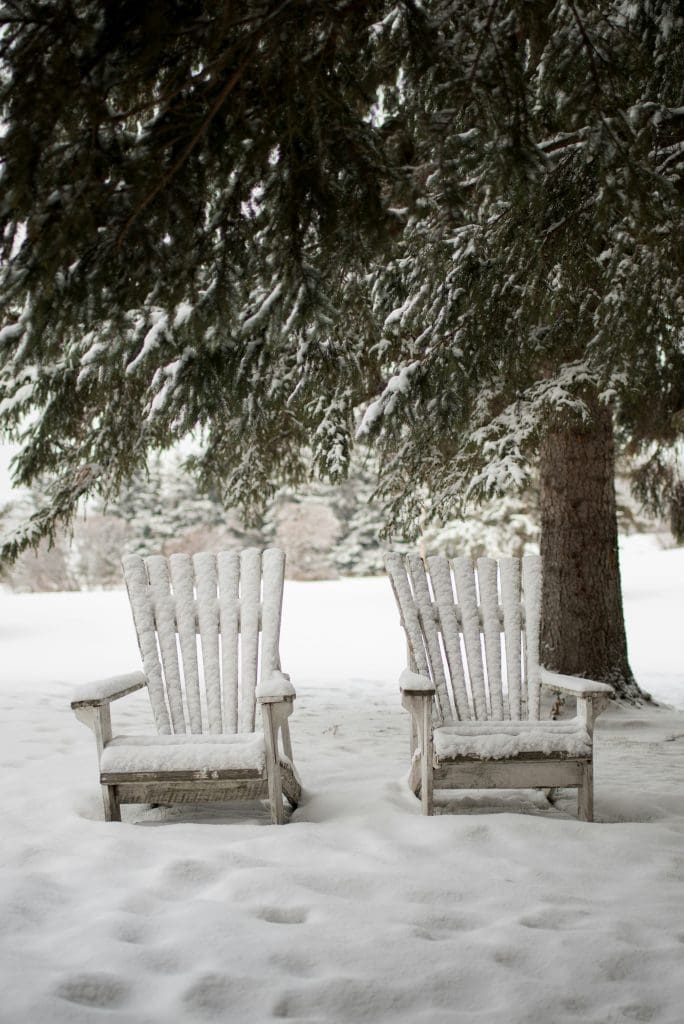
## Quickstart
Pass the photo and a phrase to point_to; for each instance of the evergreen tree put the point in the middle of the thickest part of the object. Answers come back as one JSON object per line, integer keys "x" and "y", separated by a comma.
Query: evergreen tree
{"x": 183, "y": 186}
{"x": 533, "y": 314}
{"x": 241, "y": 220}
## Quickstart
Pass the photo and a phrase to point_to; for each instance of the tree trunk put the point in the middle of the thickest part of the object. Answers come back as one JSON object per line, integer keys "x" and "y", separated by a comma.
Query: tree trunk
{"x": 583, "y": 628}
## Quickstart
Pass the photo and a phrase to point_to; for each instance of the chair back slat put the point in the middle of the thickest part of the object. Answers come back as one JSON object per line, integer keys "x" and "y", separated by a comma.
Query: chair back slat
{"x": 532, "y": 580}
{"x": 440, "y": 574}
{"x": 509, "y": 571}
{"x": 407, "y": 612}
{"x": 210, "y": 609}
{"x": 250, "y": 601}
{"x": 165, "y": 618}
{"x": 228, "y": 565}
{"x": 464, "y": 578}
{"x": 488, "y": 599}
{"x": 491, "y": 629}
{"x": 206, "y": 583}
{"x": 143, "y": 616}
{"x": 273, "y": 571}
{"x": 428, "y": 622}
{"x": 183, "y": 583}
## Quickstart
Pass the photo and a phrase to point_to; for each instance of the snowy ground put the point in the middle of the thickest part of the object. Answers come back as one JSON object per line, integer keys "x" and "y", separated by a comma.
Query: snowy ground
{"x": 358, "y": 909}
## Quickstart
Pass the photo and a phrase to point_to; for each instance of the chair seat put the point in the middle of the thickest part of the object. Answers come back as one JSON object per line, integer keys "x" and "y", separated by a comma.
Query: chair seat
{"x": 497, "y": 740}
{"x": 206, "y": 755}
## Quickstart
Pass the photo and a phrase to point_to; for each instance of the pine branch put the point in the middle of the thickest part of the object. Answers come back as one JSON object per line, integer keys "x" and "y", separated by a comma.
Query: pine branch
{"x": 214, "y": 109}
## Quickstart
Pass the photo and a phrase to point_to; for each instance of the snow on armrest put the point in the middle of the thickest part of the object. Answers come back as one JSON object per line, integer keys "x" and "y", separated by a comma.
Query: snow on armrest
{"x": 573, "y": 684}
{"x": 412, "y": 682}
{"x": 102, "y": 691}
{"x": 275, "y": 687}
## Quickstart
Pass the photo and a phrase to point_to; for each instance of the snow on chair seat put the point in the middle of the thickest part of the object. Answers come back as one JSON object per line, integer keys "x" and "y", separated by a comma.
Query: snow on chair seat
{"x": 473, "y": 681}
{"x": 208, "y": 628}
{"x": 497, "y": 740}
{"x": 129, "y": 754}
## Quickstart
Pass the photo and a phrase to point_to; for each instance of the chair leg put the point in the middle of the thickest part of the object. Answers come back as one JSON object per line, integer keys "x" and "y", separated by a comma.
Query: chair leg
{"x": 292, "y": 789}
{"x": 585, "y": 794}
{"x": 426, "y": 795}
{"x": 275, "y": 796}
{"x": 112, "y": 808}
{"x": 275, "y": 782}
{"x": 420, "y": 774}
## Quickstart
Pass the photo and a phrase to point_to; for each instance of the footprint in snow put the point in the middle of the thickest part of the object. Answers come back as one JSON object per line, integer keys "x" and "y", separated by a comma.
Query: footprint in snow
{"x": 99, "y": 989}
{"x": 282, "y": 915}
{"x": 555, "y": 919}
{"x": 131, "y": 932}
{"x": 187, "y": 875}
{"x": 440, "y": 929}
{"x": 293, "y": 964}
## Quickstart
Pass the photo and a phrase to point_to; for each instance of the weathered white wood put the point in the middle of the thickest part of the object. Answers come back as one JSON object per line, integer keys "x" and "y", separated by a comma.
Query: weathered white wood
{"x": 182, "y": 580}
{"x": 428, "y": 621}
{"x": 286, "y": 740}
{"x": 219, "y": 598}
{"x": 589, "y": 708}
{"x": 292, "y": 787}
{"x": 531, "y": 576}
{"x": 407, "y": 611}
{"x": 470, "y": 619}
{"x": 184, "y": 791}
{"x": 112, "y": 778}
{"x": 419, "y": 706}
{"x": 550, "y": 760}
{"x": 509, "y": 572}
{"x": 196, "y": 792}
{"x": 415, "y": 773}
{"x": 509, "y": 774}
{"x": 165, "y": 621}
{"x": 585, "y": 794}
{"x": 137, "y": 584}
{"x": 491, "y": 630}
{"x": 250, "y": 608}
{"x": 103, "y": 691}
{"x": 449, "y": 620}
{"x": 99, "y": 720}
{"x": 413, "y": 735}
{"x": 426, "y": 773}
{"x": 206, "y": 583}
{"x": 275, "y": 786}
{"x": 273, "y": 571}
{"x": 228, "y": 566}
{"x": 574, "y": 686}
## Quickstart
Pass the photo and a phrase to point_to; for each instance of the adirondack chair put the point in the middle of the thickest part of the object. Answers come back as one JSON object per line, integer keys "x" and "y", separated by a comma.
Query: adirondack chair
{"x": 475, "y": 720}
{"x": 208, "y": 628}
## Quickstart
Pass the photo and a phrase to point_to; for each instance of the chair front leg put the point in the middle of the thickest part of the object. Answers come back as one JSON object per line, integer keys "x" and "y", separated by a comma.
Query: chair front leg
{"x": 275, "y": 714}
{"x": 98, "y": 719}
{"x": 588, "y": 710}
{"x": 585, "y": 793}
{"x": 419, "y": 707}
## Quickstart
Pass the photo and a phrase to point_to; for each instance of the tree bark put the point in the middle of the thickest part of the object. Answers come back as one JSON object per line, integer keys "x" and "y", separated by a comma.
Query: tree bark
{"x": 583, "y": 627}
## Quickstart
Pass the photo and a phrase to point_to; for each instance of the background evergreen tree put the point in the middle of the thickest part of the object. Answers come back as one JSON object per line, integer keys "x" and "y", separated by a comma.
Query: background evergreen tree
{"x": 533, "y": 313}
{"x": 249, "y": 221}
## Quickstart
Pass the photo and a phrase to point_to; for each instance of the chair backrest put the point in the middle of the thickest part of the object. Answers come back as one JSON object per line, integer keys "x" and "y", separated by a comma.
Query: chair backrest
{"x": 208, "y": 628}
{"x": 474, "y": 631}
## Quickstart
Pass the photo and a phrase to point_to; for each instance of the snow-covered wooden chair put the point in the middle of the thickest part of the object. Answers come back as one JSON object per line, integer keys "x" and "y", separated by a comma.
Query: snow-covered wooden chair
{"x": 473, "y": 681}
{"x": 208, "y": 629}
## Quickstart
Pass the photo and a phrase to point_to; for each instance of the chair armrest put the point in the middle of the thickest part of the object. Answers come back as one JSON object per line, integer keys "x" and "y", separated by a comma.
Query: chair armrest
{"x": 103, "y": 691}
{"x": 275, "y": 687}
{"x": 573, "y": 685}
{"x": 414, "y": 685}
